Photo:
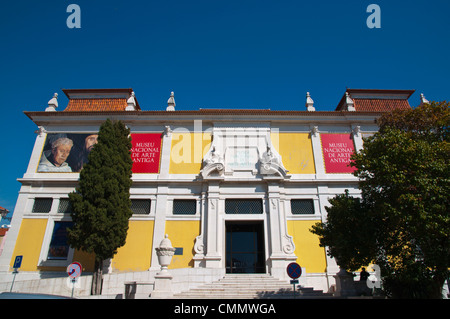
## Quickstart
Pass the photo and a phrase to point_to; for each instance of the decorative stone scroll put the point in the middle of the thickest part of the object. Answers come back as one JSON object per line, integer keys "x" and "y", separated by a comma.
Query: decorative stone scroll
{"x": 212, "y": 163}
{"x": 244, "y": 153}
{"x": 270, "y": 164}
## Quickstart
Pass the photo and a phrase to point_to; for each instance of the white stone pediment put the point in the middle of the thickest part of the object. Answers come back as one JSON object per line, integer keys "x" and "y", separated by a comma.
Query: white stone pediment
{"x": 242, "y": 159}
{"x": 242, "y": 152}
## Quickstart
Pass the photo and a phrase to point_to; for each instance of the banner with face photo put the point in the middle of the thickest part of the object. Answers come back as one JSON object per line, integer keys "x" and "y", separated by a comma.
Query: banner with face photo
{"x": 68, "y": 152}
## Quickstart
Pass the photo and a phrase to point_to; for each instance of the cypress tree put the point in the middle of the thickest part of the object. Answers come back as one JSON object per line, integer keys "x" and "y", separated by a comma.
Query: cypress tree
{"x": 101, "y": 205}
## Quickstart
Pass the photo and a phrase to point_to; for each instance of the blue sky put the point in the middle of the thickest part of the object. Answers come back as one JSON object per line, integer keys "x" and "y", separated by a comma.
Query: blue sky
{"x": 212, "y": 54}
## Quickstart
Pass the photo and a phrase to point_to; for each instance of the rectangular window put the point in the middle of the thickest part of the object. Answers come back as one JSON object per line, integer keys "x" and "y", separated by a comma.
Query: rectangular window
{"x": 243, "y": 206}
{"x": 59, "y": 249}
{"x": 184, "y": 206}
{"x": 141, "y": 206}
{"x": 302, "y": 206}
{"x": 65, "y": 207}
{"x": 42, "y": 205}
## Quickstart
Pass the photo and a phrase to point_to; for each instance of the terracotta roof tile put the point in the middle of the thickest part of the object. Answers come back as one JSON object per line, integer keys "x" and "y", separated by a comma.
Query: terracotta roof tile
{"x": 380, "y": 105}
{"x": 102, "y": 104}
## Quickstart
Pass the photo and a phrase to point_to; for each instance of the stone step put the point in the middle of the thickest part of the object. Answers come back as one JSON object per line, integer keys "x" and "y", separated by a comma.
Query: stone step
{"x": 250, "y": 286}
{"x": 262, "y": 295}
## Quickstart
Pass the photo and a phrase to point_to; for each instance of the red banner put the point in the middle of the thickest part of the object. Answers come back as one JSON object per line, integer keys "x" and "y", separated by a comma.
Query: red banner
{"x": 146, "y": 152}
{"x": 337, "y": 149}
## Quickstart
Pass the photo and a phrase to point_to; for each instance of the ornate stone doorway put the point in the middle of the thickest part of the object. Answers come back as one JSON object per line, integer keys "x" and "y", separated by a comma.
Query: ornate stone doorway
{"x": 244, "y": 247}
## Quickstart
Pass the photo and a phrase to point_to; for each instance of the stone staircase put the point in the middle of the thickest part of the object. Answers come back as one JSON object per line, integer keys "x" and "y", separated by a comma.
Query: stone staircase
{"x": 250, "y": 286}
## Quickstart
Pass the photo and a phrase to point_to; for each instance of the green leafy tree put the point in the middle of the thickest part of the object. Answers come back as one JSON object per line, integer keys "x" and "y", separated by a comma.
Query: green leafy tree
{"x": 101, "y": 202}
{"x": 342, "y": 233}
{"x": 404, "y": 176}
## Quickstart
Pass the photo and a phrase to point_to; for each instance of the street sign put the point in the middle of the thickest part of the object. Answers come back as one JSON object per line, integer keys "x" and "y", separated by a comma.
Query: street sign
{"x": 294, "y": 270}
{"x": 74, "y": 270}
{"x": 18, "y": 262}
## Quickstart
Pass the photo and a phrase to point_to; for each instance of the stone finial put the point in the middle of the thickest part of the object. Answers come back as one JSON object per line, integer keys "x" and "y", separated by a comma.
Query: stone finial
{"x": 52, "y": 104}
{"x": 357, "y": 130}
{"x": 165, "y": 252}
{"x": 167, "y": 130}
{"x": 131, "y": 103}
{"x": 163, "y": 280}
{"x": 309, "y": 103}
{"x": 165, "y": 243}
{"x": 349, "y": 103}
{"x": 171, "y": 102}
{"x": 423, "y": 100}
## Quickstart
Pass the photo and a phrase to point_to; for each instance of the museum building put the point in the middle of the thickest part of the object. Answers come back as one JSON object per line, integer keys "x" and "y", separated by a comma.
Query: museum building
{"x": 235, "y": 190}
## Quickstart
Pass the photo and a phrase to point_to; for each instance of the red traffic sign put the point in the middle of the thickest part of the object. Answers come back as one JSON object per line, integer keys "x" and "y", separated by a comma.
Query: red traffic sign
{"x": 294, "y": 270}
{"x": 74, "y": 270}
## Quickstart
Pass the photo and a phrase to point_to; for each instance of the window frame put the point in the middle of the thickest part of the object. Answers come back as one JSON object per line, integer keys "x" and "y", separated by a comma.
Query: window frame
{"x": 260, "y": 200}
{"x": 193, "y": 200}
{"x": 52, "y": 202}
{"x": 44, "y": 260}
{"x": 311, "y": 200}
{"x": 142, "y": 199}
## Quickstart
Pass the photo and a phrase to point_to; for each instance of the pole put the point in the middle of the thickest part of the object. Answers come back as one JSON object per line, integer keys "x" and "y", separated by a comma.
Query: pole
{"x": 15, "y": 272}
{"x": 73, "y": 285}
{"x": 294, "y": 288}
{"x": 294, "y": 282}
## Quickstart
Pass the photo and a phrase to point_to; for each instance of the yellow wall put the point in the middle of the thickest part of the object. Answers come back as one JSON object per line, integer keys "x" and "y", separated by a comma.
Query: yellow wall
{"x": 188, "y": 149}
{"x": 86, "y": 260}
{"x": 296, "y": 152}
{"x": 182, "y": 234}
{"x": 187, "y": 152}
{"x": 29, "y": 243}
{"x": 136, "y": 254}
{"x": 310, "y": 255}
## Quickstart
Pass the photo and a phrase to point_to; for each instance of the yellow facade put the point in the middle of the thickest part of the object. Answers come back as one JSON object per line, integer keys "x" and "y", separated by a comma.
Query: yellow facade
{"x": 182, "y": 235}
{"x": 87, "y": 260}
{"x": 310, "y": 255}
{"x": 187, "y": 152}
{"x": 296, "y": 152}
{"x": 29, "y": 243}
{"x": 136, "y": 254}
{"x": 188, "y": 149}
